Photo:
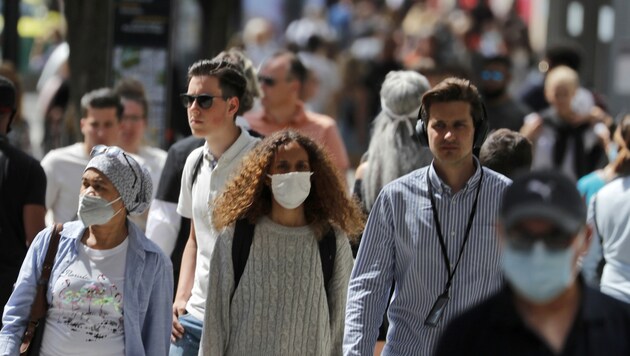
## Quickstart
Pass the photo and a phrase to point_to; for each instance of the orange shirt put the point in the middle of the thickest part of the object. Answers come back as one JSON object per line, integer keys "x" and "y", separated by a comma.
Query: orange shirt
{"x": 321, "y": 128}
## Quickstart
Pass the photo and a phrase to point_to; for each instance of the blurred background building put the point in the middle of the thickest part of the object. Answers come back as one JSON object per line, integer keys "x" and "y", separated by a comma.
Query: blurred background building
{"x": 62, "y": 48}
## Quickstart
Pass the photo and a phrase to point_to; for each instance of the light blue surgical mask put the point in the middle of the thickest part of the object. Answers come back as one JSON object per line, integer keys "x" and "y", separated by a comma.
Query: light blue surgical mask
{"x": 538, "y": 274}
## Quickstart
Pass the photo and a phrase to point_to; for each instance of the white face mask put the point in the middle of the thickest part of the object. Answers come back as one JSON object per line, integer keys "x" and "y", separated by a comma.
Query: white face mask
{"x": 290, "y": 190}
{"x": 94, "y": 210}
{"x": 539, "y": 274}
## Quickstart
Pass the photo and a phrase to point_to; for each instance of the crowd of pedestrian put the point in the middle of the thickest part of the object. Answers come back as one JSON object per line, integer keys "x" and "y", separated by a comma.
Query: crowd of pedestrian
{"x": 480, "y": 221}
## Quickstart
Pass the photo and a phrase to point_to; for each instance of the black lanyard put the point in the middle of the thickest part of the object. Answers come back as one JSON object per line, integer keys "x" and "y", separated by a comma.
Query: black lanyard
{"x": 438, "y": 228}
{"x": 437, "y": 311}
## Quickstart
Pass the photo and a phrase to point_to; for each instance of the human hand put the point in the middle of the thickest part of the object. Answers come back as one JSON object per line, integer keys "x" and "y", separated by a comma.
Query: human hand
{"x": 179, "y": 308}
{"x": 603, "y": 134}
{"x": 598, "y": 115}
{"x": 532, "y": 126}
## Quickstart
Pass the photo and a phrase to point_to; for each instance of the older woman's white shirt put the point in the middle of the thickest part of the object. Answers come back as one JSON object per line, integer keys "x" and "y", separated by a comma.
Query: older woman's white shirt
{"x": 86, "y": 315}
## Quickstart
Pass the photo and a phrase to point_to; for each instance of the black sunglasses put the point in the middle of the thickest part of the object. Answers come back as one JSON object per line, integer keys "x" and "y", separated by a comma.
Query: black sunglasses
{"x": 268, "y": 81}
{"x": 555, "y": 240}
{"x": 203, "y": 100}
{"x": 113, "y": 151}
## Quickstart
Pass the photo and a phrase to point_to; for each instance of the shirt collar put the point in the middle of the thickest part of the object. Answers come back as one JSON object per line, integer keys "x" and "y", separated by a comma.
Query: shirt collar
{"x": 241, "y": 142}
{"x": 75, "y": 230}
{"x": 207, "y": 155}
{"x": 438, "y": 184}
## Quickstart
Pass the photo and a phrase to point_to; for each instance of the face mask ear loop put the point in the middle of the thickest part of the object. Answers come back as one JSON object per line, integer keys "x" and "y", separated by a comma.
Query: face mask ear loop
{"x": 115, "y": 200}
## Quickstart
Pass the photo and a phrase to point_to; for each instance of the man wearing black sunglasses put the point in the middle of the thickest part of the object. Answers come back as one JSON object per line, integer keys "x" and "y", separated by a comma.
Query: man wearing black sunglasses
{"x": 502, "y": 109}
{"x": 546, "y": 309}
{"x": 215, "y": 92}
{"x": 282, "y": 78}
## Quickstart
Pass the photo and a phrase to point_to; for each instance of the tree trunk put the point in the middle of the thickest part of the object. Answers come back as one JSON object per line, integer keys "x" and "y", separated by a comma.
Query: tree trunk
{"x": 89, "y": 37}
{"x": 221, "y": 19}
{"x": 10, "y": 37}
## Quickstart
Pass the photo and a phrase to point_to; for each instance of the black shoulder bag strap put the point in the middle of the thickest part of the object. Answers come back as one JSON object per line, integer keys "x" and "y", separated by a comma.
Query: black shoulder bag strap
{"x": 242, "y": 242}
{"x": 39, "y": 307}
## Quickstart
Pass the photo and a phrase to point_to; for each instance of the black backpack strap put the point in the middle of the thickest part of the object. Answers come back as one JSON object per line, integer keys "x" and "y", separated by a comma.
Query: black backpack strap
{"x": 602, "y": 262}
{"x": 196, "y": 169}
{"x": 241, "y": 243}
{"x": 327, "y": 252}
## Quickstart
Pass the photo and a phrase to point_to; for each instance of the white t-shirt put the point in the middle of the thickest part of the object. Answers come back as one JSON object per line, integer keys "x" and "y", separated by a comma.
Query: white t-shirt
{"x": 86, "y": 315}
{"x": 195, "y": 204}
{"x": 64, "y": 168}
{"x": 153, "y": 159}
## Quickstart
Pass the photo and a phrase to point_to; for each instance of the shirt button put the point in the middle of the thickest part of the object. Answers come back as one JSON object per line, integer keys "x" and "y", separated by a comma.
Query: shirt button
{"x": 453, "y": 233}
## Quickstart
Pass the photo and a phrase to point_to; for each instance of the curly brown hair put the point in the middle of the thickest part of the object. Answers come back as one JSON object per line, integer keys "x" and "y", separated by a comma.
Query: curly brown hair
{"x": 247, "y": 196}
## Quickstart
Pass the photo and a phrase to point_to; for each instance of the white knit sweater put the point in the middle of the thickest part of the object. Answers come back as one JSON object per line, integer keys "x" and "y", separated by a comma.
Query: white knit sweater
{"x": 280, "y": 305}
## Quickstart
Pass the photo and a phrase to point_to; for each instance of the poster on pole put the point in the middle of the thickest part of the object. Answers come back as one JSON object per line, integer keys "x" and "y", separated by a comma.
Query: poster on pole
{"x": 141, "y": 46}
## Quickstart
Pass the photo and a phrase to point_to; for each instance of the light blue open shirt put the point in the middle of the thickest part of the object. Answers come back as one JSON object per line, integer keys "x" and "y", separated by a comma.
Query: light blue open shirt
{"x": 148, "y": 291}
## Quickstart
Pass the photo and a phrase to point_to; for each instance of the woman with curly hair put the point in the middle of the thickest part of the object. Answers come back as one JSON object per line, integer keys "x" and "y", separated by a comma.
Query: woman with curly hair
{"x": 280, "y": 302}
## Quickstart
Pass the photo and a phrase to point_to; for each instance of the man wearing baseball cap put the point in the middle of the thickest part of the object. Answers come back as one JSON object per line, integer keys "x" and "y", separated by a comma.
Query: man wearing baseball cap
{"x": 545, "y": 307}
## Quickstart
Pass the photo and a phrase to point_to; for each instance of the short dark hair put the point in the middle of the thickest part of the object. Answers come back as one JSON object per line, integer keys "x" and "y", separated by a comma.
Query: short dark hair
{"x": 454, "y": 89}
{"x": 101, "y": 99}
{"x": 297, "y": 69}
{"x": 499, "y": 59}
{"x": 131, "y": 89}
{"x": 231, "y": 79}
{"x": 567, "y": 54}
{"x": 507, "y": 152}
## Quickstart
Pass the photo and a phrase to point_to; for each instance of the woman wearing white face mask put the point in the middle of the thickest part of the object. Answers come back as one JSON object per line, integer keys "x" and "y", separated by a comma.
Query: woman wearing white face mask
{"x": 110, "y": 288}
{"x": 281, "y": 292}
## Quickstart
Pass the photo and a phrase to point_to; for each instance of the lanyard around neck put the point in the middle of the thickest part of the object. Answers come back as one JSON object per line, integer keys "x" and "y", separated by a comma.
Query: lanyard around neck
{"x": 438, "y": 228}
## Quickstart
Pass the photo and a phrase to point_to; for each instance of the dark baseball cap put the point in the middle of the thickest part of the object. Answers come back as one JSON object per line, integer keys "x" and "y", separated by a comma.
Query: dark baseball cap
{"x": 547, "y": 195}
{"x": 7, "y": 94}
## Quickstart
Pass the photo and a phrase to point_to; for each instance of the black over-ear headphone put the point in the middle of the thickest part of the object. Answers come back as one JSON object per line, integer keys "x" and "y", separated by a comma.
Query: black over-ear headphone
{"x": 481, "y": 127}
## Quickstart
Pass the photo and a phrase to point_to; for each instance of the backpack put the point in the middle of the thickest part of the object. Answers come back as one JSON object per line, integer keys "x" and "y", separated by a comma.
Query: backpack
{"x": 244, "y": 234}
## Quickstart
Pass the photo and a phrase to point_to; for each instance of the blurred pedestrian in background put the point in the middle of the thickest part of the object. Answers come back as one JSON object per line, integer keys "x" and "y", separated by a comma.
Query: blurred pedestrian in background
{"x": 101, "y": 112}
{"x": 133, "y": 125}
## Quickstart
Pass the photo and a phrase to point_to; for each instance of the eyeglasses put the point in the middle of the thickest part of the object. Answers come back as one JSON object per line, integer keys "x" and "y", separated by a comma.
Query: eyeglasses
{"x": 492, "y": 75}
{"x": 268, "y": 81}
{"x": 113, "y": 151}
{"x": 132, "y": 118}
{"x": 554, "y": 239}
{"x": 203, "y": 100}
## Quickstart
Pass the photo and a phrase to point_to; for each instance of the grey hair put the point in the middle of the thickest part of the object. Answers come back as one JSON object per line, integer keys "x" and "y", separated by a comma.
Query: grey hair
{"x": 402, "y": 91}
{"x": 394, "y": 148}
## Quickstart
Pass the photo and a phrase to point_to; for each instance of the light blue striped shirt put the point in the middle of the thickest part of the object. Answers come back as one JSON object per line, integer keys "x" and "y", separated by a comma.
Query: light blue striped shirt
{"x": 400, "y": 244}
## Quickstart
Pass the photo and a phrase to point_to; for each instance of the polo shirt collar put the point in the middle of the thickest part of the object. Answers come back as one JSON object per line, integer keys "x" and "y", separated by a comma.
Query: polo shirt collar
{"x": 241, "y": 143}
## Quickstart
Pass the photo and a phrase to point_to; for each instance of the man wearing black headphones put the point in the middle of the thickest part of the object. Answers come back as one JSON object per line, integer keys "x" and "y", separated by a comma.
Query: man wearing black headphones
{"x": 431, "y": 233}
